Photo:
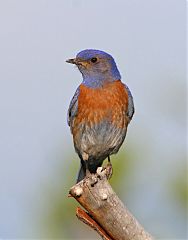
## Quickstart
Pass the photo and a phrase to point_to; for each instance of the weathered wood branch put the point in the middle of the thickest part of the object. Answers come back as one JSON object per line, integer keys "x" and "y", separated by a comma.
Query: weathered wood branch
{"x": 88, "y": 220}
{"x": 106, "y": 210}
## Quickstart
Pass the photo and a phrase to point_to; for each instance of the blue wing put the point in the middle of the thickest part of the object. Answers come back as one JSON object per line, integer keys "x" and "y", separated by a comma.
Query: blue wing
{"x": 131, "y": 109}
{"x": 73, "y": 107}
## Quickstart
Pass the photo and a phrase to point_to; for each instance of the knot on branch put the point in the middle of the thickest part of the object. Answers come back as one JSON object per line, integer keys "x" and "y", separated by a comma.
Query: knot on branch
{"x": 91, "y": 180}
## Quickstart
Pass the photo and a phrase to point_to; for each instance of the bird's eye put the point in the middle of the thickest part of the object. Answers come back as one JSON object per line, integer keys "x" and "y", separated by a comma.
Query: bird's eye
{"x": 94, "y": 60}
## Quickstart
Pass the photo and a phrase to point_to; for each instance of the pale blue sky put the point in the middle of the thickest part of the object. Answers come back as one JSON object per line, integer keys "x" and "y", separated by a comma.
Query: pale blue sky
{"x": 147, "y": 40}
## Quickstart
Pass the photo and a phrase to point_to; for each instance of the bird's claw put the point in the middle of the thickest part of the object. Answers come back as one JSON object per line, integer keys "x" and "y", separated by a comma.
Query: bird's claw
{"x": 109, "y": 170}
{"x": 88, "y": 174}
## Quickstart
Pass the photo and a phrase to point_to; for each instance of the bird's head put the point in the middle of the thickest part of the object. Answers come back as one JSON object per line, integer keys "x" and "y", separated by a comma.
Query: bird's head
{"x": 97, "y": 67}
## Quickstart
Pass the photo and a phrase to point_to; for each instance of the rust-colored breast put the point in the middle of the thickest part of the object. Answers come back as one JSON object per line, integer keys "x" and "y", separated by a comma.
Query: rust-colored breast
{"x": 109, "y": 102}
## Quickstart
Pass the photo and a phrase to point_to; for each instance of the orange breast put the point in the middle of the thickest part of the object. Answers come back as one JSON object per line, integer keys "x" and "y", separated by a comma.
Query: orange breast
{"x": 109, "y": 102}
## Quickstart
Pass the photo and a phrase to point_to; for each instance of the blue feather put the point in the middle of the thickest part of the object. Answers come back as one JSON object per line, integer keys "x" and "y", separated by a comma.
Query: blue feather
{"x": 104, "y": 70}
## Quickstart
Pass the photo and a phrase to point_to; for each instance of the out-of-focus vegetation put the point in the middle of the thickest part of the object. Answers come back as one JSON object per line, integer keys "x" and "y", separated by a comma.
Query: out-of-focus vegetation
{"x": 178, "y": 188}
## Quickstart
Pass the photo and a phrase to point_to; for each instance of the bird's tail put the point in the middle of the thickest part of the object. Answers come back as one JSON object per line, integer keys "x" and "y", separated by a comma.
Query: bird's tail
{"x": 91, "y": 167}
{"x": 81, "y": 173}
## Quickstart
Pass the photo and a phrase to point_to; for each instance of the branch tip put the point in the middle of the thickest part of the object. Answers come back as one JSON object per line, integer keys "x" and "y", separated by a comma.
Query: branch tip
{"x": 76, "y": 191}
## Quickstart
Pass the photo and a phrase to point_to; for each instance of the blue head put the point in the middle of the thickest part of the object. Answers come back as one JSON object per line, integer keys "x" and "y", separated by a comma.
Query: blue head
{"x": 97, "y": 67}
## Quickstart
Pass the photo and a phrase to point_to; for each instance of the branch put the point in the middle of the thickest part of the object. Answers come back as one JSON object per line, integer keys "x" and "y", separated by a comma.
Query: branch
{"x": 105, "y": 209}
{"x": 87, "y": 219}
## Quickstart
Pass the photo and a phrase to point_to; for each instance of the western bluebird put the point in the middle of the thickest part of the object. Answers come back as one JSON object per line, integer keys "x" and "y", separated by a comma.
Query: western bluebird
{"x": 100, "y": 110}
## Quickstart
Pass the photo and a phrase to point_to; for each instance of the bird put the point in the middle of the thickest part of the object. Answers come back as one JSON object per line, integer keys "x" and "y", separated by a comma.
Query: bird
{"x": 100, "y": 110}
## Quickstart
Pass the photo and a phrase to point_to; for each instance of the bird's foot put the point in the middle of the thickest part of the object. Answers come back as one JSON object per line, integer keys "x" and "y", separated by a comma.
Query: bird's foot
{"x": 88, "y": 173}
{"x": 109, "y": 170}
{"x": 92, "y": 177}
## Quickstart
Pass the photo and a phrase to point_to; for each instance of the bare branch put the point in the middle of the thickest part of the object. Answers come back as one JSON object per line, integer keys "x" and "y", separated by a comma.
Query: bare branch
{"x": 96, "y": 195}
{"x": 87, "y": 219}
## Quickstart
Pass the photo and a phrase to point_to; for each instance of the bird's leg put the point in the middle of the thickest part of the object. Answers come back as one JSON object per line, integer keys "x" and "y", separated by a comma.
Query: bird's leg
{"x": 109, "y": 169}
{"x": 85, "y": 157}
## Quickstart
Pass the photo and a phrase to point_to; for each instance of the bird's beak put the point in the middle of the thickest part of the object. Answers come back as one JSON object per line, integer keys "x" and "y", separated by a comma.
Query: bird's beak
{"x": 77, "y": 61}
{"x": 72, "y": 60}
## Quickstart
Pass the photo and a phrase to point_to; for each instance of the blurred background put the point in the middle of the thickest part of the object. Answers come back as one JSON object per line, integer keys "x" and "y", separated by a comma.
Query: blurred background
{"x": 38, "y": 164}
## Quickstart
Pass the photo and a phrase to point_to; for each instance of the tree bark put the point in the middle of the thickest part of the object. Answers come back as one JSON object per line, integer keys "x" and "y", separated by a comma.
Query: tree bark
{"x": 105, "y": 209}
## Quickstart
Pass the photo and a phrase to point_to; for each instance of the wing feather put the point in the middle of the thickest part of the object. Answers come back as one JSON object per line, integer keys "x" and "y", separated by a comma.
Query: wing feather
{"x": 73, "y": 107}
{"x": 131, "y": 109}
